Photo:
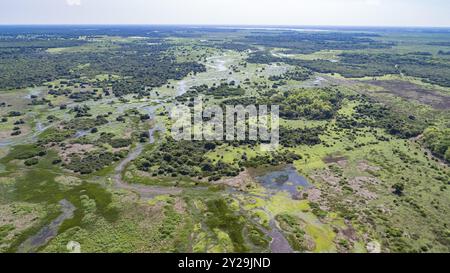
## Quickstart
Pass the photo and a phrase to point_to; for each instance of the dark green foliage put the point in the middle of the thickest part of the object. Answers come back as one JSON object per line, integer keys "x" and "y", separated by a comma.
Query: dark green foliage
{"x": 358, "y": 65}
{"x": 224, "y": 90}
{"x": 85, "y": 123}
{"x": 39, "y": 186}
{"x": 54, "y": 135}
{"x": 171, "y": 220}
{"x": 235, "y": 46}
{"x": 81, "y": 111}
{"x": 31, "y": 162}
{"x": 315, "y": 104}
{"x": 294, "y": 137}
{"x": 186, "y": 158}
{"x": 244, "y": 101}
{"x": 438, "y": 141}
{"x": 19, "y": 122}
{"x": 23, "y": 152}
{"x": 82, "y": 96}
{"x": 398, "y": 188}
{"x": 306, "y": 43}
{"x": 114, "y": 142}
{"x": 91, "y": 161}
{"x": 291, "y": 226}
{"x": 257, "y": 237}
{"x": 395, "y": 123}
{"x": 396, "y": 240}
{"x": 220, "y": 216}
{"x": 295, "y": 75}
{"x": 29, "y": 64}
{"x": 315, "y": 208}
{"x": 376, "y": 115}
{"x": 14, "y": 114}
{"x": 120, "y": 142}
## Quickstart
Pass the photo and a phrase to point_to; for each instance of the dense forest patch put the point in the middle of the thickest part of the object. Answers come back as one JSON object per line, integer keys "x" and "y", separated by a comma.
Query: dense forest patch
{"x": 92, "y": 161}
{"x": 147, "y": 64}
{"x": 314, "y": 104}
{"x": 307, "y": 43}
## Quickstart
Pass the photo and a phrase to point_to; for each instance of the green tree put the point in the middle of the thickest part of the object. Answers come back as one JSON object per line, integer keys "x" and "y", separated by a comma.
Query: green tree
{"x": 398, "y": 188}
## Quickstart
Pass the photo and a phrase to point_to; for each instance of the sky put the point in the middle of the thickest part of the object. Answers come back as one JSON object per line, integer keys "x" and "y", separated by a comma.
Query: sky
{"x": 431, "y": 13}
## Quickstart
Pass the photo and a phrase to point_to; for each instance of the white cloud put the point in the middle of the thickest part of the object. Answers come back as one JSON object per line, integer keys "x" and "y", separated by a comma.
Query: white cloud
{"x": 73, "y": 2}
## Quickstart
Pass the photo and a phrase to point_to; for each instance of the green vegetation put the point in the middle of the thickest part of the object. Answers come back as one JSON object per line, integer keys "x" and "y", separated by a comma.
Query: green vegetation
{"x": 438, "y": 140}
{"x": 294, "y": 231}
{"x": 185, "y": 158}
{"x": 92, "y": 161}
{"x": 362, "y": 165}
{"x": 315, "y": 104}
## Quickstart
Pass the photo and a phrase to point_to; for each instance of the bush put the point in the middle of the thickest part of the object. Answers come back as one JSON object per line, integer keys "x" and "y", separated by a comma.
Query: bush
{"x": 31, "y": 161}
{"x": 120, "y": 142}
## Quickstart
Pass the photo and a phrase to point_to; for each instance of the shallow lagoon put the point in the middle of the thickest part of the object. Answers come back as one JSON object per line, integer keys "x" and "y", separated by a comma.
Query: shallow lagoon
{"x": 287, "y": 179}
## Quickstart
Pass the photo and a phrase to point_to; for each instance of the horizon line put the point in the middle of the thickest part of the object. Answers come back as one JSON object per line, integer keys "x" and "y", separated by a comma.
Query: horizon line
{"x": 224, "y": 25}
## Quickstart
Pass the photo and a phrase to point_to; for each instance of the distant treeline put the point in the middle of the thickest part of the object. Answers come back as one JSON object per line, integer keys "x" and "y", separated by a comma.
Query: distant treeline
{"x": 358, "y": 65}
{"x": 307, "y": 43}
{"x": 141, "y": 64}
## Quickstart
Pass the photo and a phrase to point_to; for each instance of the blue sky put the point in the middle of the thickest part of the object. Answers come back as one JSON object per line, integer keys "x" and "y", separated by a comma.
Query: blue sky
{"x": 234, "y": 12}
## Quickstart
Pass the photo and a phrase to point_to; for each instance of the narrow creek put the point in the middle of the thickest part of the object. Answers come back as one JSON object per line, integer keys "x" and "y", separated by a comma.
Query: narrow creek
{"x": 31, "y": 137}
{"x": 144, "y": 191}
{"x": 48, "y": 232}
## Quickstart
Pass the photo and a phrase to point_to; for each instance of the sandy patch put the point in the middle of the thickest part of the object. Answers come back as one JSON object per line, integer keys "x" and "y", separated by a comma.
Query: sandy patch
{"x": 358, "y": 185}
{"x": 180, "y": 205}
{"x": 70, "y": 149}
{"x": 313, "y": 194}
{"x": 364, "y": 166}
{"x": 6, "y": 180}
{"x": 70, "y": 181}
{"x": 240, "y": 181}
{"x": 373, "y": 247}
{"x": 4, "y": 135}
{"x": 342, "y": 163}
{"x": 350, "y": 233}
{"x": 326, "y": 176}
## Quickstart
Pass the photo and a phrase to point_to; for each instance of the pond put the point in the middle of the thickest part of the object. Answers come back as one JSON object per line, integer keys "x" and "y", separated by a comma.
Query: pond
{"x": 286, "y": 179}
